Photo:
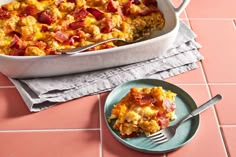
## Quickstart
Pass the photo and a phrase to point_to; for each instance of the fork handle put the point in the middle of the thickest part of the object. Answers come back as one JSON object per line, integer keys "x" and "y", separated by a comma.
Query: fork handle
{"x": 201, "y": 108}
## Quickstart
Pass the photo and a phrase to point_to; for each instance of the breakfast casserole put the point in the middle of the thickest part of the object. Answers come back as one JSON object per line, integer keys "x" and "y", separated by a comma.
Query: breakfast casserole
{"x": 143, "y": 110}
{"x": 41, "y": 27}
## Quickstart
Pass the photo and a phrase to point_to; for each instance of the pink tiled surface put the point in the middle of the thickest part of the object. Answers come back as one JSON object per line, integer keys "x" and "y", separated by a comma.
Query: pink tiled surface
{"x": 77, "y": 128}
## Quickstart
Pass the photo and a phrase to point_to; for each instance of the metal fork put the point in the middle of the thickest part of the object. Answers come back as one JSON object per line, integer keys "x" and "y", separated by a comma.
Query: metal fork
{"x": 166, "y": 134}
{"x": 83, "y": 48}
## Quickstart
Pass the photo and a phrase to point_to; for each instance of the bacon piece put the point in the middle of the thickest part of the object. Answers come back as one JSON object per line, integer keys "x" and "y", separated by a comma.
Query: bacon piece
{"x": 150, "y": 3}
{"x": 44, "y": 29}
{"x": 73, "y": 39}
{"x": 126, "y": 8}
{"x": 80, "y": 14}
{"x": 162, "y": 120}
{"x": 16, "y": 43}
{"x": 134, "y": 134}
{"x": 44, "y": 17}
{"x": 142, "y": 99}
{"x": 147, "y": 11}
{"x": 77, "y": 24}
{"x": 168, "y": 105}
{"x": 136, "y": 2}
{"x": 111, "y": 6}
{"x": 71, "y": 1}
{"x": 29, "y": 10}
{"x": 107, "y": 28}
{"x": 60, "y": 36}
{"x": 17, "y": 46}
{"x": 96, "y": 13}
{"x": 4, "y": 14}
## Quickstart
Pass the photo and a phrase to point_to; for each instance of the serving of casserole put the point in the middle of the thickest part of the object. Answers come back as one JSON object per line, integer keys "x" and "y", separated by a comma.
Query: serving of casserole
{"x": 41, "y": 27}
{"x": 29, "y": 44}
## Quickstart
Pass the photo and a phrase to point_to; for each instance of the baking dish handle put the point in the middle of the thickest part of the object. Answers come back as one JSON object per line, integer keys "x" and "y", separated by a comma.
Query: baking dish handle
{"x": 182, "y": 6}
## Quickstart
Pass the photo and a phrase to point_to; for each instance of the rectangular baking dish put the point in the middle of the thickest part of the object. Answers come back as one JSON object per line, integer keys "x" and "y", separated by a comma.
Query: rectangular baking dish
{"x": 46, "y": 66}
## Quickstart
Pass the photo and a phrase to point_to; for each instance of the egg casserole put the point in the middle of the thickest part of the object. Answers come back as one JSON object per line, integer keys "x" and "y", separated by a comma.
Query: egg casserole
{"x": 41, "y": 27}
{"x": 143, "y": 110}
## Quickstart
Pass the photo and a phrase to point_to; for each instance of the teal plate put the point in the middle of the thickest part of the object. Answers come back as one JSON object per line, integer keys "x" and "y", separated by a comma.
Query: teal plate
{"x": 184, "y": 102}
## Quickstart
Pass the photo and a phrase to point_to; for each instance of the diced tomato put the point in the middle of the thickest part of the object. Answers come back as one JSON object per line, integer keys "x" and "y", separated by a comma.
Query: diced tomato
{"x": 44, "y": 17}
{"x": 96, "y": 13}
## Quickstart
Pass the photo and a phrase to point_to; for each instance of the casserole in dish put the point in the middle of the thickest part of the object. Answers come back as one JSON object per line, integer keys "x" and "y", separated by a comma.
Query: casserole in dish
{"x": 43, "y": 66}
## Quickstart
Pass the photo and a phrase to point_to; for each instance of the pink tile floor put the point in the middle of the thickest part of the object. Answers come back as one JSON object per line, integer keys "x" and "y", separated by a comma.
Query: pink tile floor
{"x": 77, "y": 128}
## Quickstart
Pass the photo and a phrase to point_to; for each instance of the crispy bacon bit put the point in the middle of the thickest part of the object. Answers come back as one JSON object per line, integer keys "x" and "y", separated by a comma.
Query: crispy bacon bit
{"x": 29, "y": 10}
{"x": 111, "y": 6}
{"x": 80, "y": 14}
{"x": 147, "y": 11}
{"x": 96, "y": 13}
{"x": 150, "y": 3}
{"x": 107, "y": 28}
{"x": 17, "y": 46}
{"x": 141, "y": 98}
{"x": 136, "y": 2}
{"x": 162, "y": 120}
{"x": 44, "y": 29}
{"x": 73, "y": 39}
{"x": 126, "y": 8}
{"x": 168, "y": 105}
{"x": 4, "y": 14}
{"x": 77, "y": 24}
{"x": 14, "y": 33}
{"x": 60, "y": 36}
{"x": 44, "y": 17}
{"x": 134, "y": 134}
{"x": 71, "y": 1}
{"x": 16, "y": 43}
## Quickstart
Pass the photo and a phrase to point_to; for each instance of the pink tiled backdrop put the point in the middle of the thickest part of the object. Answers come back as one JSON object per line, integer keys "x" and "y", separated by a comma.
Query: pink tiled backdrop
{"x": 77, "y": 128}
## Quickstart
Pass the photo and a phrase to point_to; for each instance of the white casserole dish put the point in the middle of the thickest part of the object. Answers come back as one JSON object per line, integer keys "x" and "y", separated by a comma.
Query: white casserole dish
{"x": 45, "y": 66}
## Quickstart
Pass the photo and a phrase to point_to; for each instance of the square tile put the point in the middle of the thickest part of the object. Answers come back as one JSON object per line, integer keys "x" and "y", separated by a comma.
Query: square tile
{"x": 229, "y": 134}
{"x": 217, "y": 38}
{"x": 208, "y": 133}
{"x": 226, "y": 108}
{"x": 79, "y": 113}
{"x": 4, "y": 81}
{"x": 50, "y": 144}
{"x": 212, "y": 9}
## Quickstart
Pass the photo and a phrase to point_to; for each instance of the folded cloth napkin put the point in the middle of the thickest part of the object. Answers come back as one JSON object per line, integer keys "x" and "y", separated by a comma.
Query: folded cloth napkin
{"x": 41, "y": 93}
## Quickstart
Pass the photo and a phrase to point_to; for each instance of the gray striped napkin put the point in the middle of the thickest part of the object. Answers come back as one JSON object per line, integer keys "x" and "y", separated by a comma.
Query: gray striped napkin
{"x": 41, "y": 93}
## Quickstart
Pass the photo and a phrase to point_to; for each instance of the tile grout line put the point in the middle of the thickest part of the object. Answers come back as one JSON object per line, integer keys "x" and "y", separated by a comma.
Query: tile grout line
{"x": 50, "y": 130}
{"x": 214, "y": 109}
{"x": 100, "y": 123}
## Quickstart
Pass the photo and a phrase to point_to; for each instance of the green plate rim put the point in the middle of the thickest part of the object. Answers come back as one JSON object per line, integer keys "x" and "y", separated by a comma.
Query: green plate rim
{"x": 151, "y": 82}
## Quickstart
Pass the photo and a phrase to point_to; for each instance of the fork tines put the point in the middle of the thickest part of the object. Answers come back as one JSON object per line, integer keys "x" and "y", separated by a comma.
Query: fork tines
{"x": 158, "y": 138}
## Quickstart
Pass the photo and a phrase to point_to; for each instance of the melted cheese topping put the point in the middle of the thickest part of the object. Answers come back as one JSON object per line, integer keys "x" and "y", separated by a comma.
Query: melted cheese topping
{"x": 143, "y": 110}
{"x": 40, "y": 27}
